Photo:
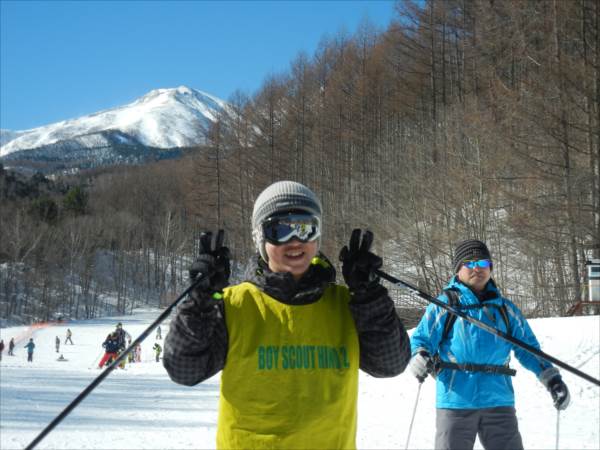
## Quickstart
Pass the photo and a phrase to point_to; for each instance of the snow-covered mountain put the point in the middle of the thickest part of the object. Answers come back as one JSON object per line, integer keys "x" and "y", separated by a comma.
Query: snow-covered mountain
{"x": 7, "y": 136}
{"x": 163, "y": 119}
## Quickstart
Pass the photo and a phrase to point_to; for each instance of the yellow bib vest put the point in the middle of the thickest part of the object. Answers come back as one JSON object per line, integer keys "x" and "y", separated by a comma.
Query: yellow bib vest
{"x": 291, "y": 375}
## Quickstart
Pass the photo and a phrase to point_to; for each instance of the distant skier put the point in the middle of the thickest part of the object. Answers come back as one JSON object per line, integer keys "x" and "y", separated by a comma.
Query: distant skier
{"x": 158, "y": 333}
{"x": 131, "y": 356}
{"x": 11, "y": 347}
{"x": 1, "y": 348}
{"x": 30, "y": 346}
{"x": 111, "y": 347}
{"x": 68, "y": 338}
{"x": 138, "y": 353}
{"x": 122, "y": 336}
{"x": 57, "y": 343}
{"x": 157, "y": 350}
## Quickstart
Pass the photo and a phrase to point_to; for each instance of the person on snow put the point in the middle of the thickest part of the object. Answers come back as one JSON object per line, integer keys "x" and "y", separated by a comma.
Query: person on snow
{"x": 122, "y": 336}
{"x": 138, "y": 353}
{"x": 289, "y": 341}
{"x": 131, "y": 356}
{"x": 1, "y": 348}
{"x": 473, "y": 380}
{"x": 11, "y": 347}
{"x": 111, "y": 349}
{"x": 57, "y": 343}
{"x": 30, "y": 346}
{"x": 68, "y": 338}
{"x": 157, "y": 351}
{"x": 158, "y": 333}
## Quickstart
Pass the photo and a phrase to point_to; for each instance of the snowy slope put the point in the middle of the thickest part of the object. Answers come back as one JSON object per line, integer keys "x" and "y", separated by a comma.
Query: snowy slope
{"x": 8, "y": 135}
{"x": 141, "y": 408}
{"x": 163, "y": 118}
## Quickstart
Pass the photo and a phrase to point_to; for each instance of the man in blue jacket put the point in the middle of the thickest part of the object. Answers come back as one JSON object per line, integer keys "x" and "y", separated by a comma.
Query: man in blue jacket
{"x": 30, "y": 346}
{"x": 474, "y": 388}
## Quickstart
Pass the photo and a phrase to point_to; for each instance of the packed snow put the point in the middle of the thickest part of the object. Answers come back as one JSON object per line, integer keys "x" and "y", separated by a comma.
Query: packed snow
{"x": 141, "y": 408}
{"x": 163, "y": 118}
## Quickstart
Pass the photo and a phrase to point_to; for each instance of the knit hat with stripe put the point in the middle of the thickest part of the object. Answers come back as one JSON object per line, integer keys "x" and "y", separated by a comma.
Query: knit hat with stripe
{"x": 469, "y": 250}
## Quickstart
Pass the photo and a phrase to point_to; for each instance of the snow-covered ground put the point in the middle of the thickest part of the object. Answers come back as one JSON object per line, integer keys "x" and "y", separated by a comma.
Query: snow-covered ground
{"x": 140, "y": 407}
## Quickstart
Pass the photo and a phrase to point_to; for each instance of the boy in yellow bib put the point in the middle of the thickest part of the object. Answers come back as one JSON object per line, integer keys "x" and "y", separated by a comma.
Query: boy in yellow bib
{"x": 289, "y": 341}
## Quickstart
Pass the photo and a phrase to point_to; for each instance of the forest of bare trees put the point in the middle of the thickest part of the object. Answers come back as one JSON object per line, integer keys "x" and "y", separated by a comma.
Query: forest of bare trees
{"x": 464, "y": 118}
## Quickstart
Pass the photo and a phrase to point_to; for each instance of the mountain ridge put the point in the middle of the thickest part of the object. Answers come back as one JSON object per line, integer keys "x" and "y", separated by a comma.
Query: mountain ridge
{"x": 163, "y": 119}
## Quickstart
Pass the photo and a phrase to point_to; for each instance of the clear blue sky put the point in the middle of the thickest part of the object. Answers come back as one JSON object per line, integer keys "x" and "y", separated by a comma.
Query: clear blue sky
{"x": 63, "y": 59}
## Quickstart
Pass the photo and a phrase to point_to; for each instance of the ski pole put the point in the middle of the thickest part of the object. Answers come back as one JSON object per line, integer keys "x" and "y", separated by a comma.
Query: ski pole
{"x": 486, "y": 327}
{"x": 557, "y": 426}
{"x": 113, "y": 365}
{"x": 412, "y": 420}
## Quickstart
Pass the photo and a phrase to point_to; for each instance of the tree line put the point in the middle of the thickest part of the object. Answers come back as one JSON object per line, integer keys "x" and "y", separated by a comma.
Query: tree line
{"x": 462, "y": 119}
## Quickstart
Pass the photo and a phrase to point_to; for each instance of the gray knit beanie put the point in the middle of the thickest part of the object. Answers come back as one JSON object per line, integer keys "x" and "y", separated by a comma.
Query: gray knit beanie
{"x": 281, "y": 197}
{"x": 469, "y": 250}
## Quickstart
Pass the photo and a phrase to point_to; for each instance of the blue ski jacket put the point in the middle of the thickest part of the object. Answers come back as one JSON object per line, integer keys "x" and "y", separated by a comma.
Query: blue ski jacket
{"x": 467, "y": 343}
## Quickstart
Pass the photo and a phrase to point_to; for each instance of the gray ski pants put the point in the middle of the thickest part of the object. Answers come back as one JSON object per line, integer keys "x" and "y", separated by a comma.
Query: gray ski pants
{"x": 497, "y": 428}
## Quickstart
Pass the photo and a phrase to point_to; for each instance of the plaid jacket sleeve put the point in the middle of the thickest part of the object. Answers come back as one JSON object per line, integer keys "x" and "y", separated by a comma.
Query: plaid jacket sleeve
{"x": 384, "y": 343}
{"x": 196, "y": 345}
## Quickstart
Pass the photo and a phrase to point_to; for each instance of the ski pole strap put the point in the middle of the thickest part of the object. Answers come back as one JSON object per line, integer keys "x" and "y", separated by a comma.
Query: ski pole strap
{"x": 470, "y": 367}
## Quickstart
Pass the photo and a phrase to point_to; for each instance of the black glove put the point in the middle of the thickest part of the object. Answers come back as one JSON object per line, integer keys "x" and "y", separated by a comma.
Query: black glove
{"x": 556, "y": 386}
{"x": 559, "y": 392}
{"x": 212, "y": 266}
{"x": 359, "y": 264}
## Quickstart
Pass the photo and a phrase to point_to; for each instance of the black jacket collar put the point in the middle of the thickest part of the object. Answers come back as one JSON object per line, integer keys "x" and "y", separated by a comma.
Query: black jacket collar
{"x": 283, "y": 287}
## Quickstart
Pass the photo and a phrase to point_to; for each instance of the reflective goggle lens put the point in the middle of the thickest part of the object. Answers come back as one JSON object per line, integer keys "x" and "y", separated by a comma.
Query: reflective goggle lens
{"x": 482, "y": 264}
{"x": 282, "y": 229}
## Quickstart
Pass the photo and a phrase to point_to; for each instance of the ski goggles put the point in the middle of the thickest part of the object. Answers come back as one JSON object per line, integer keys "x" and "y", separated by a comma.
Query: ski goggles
{"x": 281, "y": 229}
{"x": 481, "y": 263}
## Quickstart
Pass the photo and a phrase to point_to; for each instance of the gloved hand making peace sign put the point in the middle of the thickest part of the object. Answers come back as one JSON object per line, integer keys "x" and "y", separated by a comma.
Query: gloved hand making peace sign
{"x": 212, "y": 265}
{"x": 359, "y": 264}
